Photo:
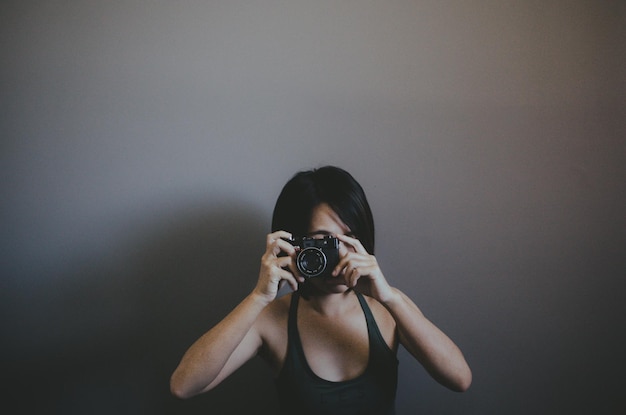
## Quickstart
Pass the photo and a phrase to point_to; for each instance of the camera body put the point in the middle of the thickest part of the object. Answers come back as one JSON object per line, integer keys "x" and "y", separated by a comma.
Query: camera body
{"x": 316, "y": 257}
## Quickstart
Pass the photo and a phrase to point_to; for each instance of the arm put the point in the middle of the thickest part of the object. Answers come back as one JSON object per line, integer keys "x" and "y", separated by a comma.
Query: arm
{"x": 237, "y": 338}
{"x": 430, "y": 346}
{"x": 220, "y": 351}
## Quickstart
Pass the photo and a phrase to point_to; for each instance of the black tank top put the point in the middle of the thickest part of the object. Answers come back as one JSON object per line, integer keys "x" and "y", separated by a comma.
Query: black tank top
{"x": 302, "y": 392}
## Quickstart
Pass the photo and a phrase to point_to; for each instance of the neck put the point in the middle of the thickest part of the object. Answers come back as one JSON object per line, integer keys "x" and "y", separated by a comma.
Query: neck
{"x": 330, "y": 304}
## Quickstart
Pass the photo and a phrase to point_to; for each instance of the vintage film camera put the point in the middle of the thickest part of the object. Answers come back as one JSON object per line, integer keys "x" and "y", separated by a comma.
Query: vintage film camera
{"x": 316, "y": 257}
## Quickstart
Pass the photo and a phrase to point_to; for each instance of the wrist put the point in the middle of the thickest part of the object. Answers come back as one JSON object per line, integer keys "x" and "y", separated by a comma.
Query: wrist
{"x": 260, "y": 298}
{"x": 392, "y": 298}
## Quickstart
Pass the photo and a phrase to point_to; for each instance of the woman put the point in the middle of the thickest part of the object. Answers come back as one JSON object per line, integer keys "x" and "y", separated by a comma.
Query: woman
{"x": 332, "y": 342}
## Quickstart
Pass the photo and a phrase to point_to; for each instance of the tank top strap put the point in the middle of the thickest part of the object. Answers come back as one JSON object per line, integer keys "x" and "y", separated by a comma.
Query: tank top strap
{"x": 375, "y": 336}
{"x": 295, "y": 352}
{"x": 366, "y": 308}
{"x": 292, "y": 322}
{"x": 292, "y": 325}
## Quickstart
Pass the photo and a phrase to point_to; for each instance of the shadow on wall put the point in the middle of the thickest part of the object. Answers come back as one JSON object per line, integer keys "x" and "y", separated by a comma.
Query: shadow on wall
{"x": 123, "y": 324}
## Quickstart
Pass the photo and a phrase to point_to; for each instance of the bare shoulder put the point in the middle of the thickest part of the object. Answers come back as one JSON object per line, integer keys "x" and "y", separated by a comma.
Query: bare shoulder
{"x": 272, "y": 327}
{"x": 272, "y": 321}
{"x": 277, "y": 310}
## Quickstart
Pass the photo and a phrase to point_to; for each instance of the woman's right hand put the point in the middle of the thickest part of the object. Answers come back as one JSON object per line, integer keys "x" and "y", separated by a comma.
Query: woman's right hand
{"x": 276, "y": 268}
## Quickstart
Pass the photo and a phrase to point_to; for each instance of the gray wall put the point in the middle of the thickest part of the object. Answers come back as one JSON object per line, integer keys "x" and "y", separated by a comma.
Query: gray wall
{"x": 144, "y": 143}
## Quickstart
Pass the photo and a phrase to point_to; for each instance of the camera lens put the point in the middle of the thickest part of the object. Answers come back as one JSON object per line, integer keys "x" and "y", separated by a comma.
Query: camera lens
{"x": 311, "y": 262}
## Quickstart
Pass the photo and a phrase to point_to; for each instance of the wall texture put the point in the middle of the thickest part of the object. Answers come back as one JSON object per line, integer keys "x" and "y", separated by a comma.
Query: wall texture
{"x": 143, "y": 144}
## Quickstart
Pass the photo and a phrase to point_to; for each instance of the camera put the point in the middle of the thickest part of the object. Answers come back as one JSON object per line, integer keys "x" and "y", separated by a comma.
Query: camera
{"x": 316, "y": 257}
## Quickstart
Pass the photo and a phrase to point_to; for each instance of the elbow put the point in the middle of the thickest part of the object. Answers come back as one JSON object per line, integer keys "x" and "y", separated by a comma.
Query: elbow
{"x": 178, "y": 390}
{"x": 463, "y": 386}
{"x": 458, "y": 381}
{"x": 183, "y": 388}
{"x": 178, "y": 393}
{"x": 463, "y": 382}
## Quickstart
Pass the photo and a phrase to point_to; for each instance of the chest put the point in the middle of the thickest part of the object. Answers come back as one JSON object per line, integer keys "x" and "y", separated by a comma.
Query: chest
{"x": 336, "y": 348}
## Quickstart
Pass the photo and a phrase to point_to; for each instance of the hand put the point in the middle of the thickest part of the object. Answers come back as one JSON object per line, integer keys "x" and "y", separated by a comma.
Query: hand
{"x": 361, "y": 271}
{"x": 275, "y": 267}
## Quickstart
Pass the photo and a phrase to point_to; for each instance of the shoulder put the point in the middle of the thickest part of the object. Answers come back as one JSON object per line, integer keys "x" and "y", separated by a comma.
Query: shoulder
{"x": 274, "y": 315}
{"x": 271, "y": 326}
{"x": 279, "y": 306}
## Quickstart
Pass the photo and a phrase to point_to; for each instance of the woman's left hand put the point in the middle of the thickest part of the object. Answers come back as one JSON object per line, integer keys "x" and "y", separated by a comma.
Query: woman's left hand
{"x": 361, "y": 271}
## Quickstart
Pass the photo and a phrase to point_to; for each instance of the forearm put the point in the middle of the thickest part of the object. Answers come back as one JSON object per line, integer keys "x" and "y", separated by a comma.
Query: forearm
{"x": 428, "y": 344}
{"x": 206, "y": 358}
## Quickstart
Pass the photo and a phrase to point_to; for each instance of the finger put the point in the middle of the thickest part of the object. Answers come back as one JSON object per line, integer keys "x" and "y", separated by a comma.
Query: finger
{"x": 348, "y": 262}
{"x": 360, "y": 273}
{"x": 353, "y": 242}
{"x": 279, "y": 235}
{"x": 296, "y": 272}
{"x": 276, "y": 236}
{"x": 353, "y": 277}
{"x": 286, "y": 263}
{"x": 276, "y": 246}
{"x": 289, "y": 279}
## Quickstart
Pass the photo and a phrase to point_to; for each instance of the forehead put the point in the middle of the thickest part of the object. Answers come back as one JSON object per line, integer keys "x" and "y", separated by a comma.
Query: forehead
{"x": 324, "y": 220}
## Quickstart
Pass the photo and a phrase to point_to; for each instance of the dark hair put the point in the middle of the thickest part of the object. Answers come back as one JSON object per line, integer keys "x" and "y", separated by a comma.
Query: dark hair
{"x": 333, "y": 186}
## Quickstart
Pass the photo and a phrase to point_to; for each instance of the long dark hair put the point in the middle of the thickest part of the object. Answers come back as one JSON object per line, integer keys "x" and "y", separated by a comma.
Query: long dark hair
{"x": 333, "y": 186}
